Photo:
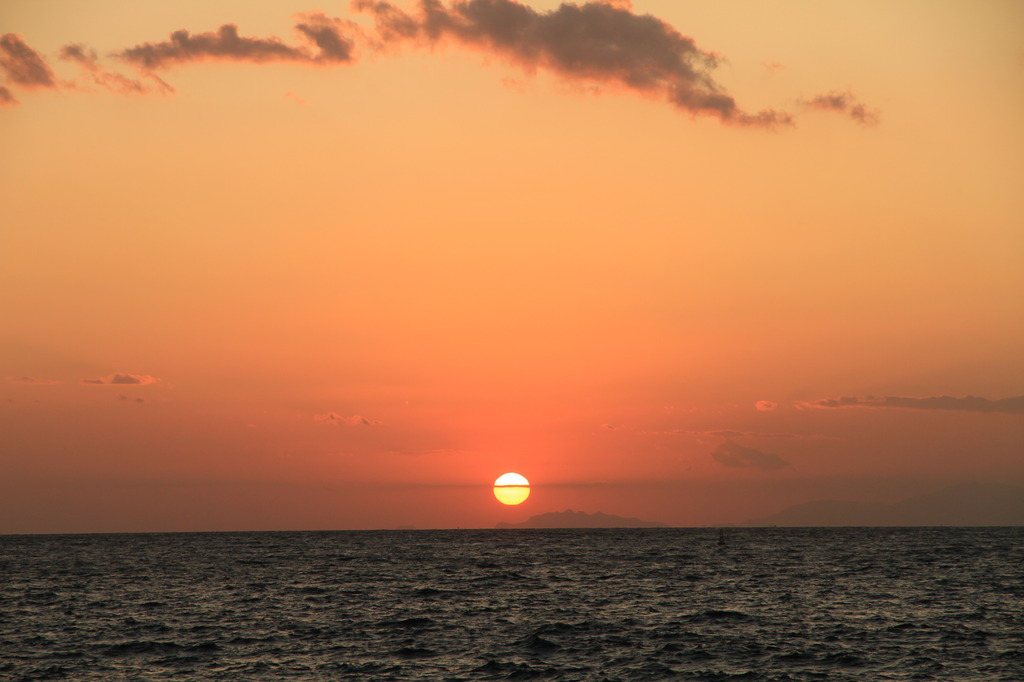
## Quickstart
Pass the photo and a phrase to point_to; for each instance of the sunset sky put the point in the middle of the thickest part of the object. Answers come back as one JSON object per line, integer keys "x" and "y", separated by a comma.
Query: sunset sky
{"x": 279, "y": 265}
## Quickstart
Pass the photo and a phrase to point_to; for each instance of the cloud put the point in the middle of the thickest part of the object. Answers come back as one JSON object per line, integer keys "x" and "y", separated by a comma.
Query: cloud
{"x": 23, "y": 65}
{"x": 765, "y": 405}
{"x": 326, "y": 33}
{"x": 123, "y": 397}
{"x": 423, "y": 452}
{"x": 733, "y": 433}
{"x": 119, "y": 379}
{"x": 846, "y": 103}
{"x": 225, "y": 44}
{"x": 596, "y": 42}
{"x": 732, "y": 455}
{"x": 109, "y": 80}
{"x": 33, "y": 380}
{"x": 966, "y": 404}
{"x": 595, "y": 45}
{"x": 335, "y": 419}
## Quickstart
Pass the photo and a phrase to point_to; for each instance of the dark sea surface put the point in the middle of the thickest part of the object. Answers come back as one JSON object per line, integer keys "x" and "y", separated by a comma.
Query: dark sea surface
{"x": 770, "y": 604}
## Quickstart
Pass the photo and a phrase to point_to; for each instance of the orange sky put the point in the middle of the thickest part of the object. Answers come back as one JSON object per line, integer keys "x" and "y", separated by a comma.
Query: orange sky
{"x": 688, "y": 262}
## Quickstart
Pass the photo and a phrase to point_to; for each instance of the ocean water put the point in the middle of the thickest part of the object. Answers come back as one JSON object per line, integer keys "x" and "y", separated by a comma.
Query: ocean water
{"x": 658, "y": 604}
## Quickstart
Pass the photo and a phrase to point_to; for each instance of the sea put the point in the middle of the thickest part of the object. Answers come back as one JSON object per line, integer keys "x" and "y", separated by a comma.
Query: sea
{"x": 516, "y": 604}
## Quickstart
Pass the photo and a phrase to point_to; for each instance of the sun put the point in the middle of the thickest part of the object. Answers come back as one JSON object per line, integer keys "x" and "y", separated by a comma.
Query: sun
{"x": 511, "y": 489}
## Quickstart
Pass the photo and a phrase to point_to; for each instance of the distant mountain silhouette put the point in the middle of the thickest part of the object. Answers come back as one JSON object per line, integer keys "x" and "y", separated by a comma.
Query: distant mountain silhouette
{"x": 579, "y": 519}
{"x": 966, "y": 504}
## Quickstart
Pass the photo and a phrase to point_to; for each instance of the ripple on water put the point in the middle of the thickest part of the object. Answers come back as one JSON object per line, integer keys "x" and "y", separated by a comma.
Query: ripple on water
{"x": 774, "y": 604}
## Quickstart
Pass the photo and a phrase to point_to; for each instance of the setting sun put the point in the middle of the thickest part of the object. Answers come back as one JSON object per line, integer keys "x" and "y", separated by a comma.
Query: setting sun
{"x": 511, "y": 489}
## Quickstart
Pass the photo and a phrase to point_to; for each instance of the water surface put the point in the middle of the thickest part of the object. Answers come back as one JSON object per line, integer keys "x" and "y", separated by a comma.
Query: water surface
{"x": 631, "y": 604}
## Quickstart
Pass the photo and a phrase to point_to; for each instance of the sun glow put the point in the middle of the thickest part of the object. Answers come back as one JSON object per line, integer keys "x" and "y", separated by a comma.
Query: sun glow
{"x": 511, "y": 489}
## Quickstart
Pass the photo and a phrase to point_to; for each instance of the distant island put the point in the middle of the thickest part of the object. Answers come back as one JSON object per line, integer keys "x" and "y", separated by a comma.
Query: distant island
{"x": 966, "y": 504}
{"x": 580, "y": 519}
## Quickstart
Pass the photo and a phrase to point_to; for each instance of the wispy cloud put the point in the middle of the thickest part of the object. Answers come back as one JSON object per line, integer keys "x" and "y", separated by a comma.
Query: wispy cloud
{"x": 119, "y": 379}
{"x": 423, "y": 452}
{"x": 734, "y": 433}
{"x": 326, "y": 34}
{"x": 732, "y": 455}
{"x": 6, "y": 98}
{"x": 335, "y": 419}
{"x": 88, "y": 60}
{"x": 33, "y": 380}
{"x": 22, "y": 65}
{"x": 597, "y": 42}
{"x": 724, "y": 433}
{"x": 765, "y": 405}
{"x": 968, "y": 403}
{"x": 844, "y": 103}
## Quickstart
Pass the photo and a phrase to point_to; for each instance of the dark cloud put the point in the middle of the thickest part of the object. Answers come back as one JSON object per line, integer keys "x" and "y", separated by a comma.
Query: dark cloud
{"x": 33, "y": 380}
{"x": 124, "y": 398}
{"x": 966, "y": 404}
{"x": 335, "y": 419}
{"x": 226, "y": 44}
{"x": 326, "y": 33}
{"x": 732, "y": 455}
{"x": 599, "y": 42}
{"x": 846, "y": 103}
{"x": 6, "y": 98}
{"x": 109, "y": 80}
{"x": 23, "y": 65}
{"x": 119, "y": 379}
